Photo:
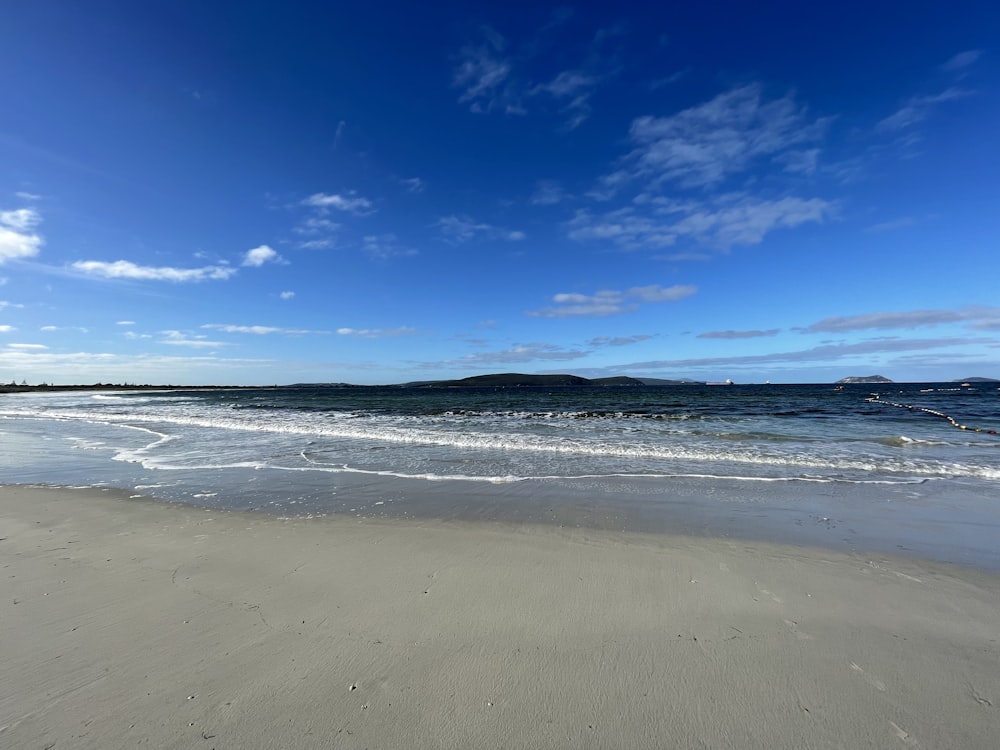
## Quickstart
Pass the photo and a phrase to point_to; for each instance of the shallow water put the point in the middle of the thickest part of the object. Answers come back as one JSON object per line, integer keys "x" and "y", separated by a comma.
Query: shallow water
{"x": 787, "y": 463}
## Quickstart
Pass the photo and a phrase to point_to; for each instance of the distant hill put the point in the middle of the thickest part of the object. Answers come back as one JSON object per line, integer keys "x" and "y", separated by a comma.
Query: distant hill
{"x": 515, "y": 379}
{"x": 865, "y": 379}
{"x": 976, "y": 380}
{"x": 509, "y": 379}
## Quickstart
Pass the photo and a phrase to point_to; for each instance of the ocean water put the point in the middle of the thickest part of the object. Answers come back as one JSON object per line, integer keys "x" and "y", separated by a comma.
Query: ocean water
{"x": 865, "y": 466}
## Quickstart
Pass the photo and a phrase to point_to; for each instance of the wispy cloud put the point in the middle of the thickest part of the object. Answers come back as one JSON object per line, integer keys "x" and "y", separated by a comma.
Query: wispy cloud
{"x": 257, "y": 330}
{"x": 386, "y": 246}
{"x": 917, "y": 109}
{"x": 286, "y": 295}
{"x": 721, "y": 223}
{"x": 888, "y": 226}
{"x": 739, "y": 334}
{"x": 481, "y": 74}
{"x": 7, "y": 328}
{"x": 459, "y": 229}
{"x": 572, "y": 90}
{"x": 179, "y": 338}
{"x": 611, "y": 302}
{"x": 17, "y": 238}
{"x": 377, "y": 333}
{"x": 413, "y": 184}
{"x": 980, "y": 317}
{"x": 491, "y": 78}
{"x": 962, "y": 60}
{"x": 125, "y": 323}
{"x": 350, "y": 202}
{"x": 548, "y": 193}
{"x": 260, "y": 255}
{"x": 124, "y": 269}
{"x": 28, "y": 347}
{"x": 518, "y": 353}
{"x": 703, "y": 145}
{"x": 619, "y": 340}
{"x": 78, "y": 329}
{"x": 316, "y": 225}
{"x": 826, "y": 352}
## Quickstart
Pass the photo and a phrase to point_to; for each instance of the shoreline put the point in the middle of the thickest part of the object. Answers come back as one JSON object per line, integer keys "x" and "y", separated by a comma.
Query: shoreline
{"x": 132, "y": 620}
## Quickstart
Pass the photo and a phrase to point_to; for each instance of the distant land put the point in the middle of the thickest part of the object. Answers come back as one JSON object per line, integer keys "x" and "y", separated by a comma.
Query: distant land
{"x": 494, "y": 380}
{"x": 515, "y": 379}
{"x": 865, "y": 379}
{"x": 43, "y": 387}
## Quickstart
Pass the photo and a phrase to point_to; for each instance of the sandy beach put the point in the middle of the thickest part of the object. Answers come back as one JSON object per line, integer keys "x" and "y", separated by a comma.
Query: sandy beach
{"x": 126, "y": 622}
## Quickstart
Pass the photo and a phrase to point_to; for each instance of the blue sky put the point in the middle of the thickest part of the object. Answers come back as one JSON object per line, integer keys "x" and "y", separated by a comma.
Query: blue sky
{"x": 263, "y": 192}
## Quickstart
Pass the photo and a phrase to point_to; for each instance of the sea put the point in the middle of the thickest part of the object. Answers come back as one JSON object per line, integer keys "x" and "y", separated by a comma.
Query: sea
{"x": 911, "y": 469}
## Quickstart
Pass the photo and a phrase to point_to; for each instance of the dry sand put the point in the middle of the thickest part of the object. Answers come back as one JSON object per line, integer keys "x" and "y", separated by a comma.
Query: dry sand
{"x": 128, "y": 623}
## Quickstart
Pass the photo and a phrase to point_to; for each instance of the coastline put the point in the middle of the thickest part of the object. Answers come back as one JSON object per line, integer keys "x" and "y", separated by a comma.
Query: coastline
{"x": 129, "y": 620}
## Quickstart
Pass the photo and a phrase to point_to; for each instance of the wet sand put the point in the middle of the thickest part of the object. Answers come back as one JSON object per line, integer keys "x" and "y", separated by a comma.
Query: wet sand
{"x": 126, "y": 622}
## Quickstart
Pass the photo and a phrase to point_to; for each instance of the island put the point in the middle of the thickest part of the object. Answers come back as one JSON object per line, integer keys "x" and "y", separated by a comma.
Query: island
{"x": 864, "y": 379}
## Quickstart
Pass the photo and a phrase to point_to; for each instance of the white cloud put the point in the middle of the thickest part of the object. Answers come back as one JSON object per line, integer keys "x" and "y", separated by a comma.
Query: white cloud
{"x": 17, "y": 240}
{"x": 21, "y": 219}
{"x": 611, "y": 302}
{"x": 256, "y": 330}
{"x": 260, "y": 255}
{"x": 7, "y": 329}
{"x": 125, "y": 323}
{"x": 178, "y": 338}
{"x": 124, "y": 269}
{"x": 351, "y": 202}
{"x": 25, "y": 196}
{"x": 133, "y": 336}
{"x": 323, "y": 244}
{"x": 28, "y": 347}
{"x": 78, "y": 329}
{"x": 376, "y": 333}
{"x": 703, "y": 145}
{"x": 287, "y": 295}
{"x": 4, "y": 304}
